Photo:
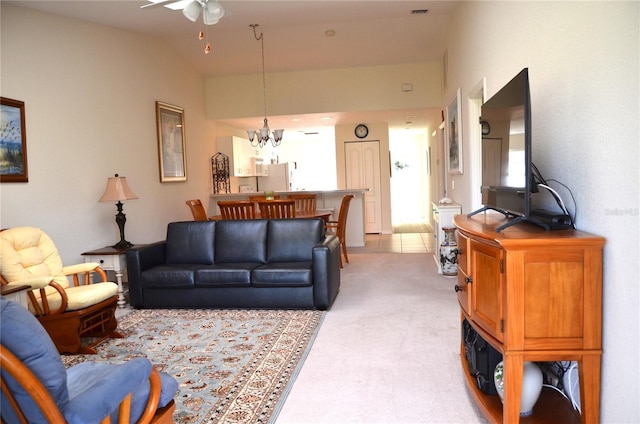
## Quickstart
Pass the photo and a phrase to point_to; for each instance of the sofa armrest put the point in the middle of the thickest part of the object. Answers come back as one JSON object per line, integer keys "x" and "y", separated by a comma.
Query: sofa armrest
{"x": 140, "y": 259}
{"x": 326, "y": 271}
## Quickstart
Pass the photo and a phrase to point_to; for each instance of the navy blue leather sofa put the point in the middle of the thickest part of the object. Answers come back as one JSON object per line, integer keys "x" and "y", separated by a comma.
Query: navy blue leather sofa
{"x": 279, "y": 263}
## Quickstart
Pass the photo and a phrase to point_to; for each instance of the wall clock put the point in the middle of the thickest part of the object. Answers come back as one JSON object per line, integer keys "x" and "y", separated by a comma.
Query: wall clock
{"x": 486, "y": 128}
{"x": 361, "y": 131}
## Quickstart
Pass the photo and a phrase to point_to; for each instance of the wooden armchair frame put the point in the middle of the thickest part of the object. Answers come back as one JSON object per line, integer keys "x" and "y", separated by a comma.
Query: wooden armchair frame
{"x": 66, "y": 328}
{"x": 34, "y": 387}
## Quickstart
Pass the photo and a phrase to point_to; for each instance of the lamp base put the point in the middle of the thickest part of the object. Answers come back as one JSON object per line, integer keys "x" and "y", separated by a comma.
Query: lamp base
{"x": 122, "y": 244}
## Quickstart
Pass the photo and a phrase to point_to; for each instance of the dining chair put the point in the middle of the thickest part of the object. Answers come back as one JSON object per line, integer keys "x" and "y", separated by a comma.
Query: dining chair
{"x": 197, "y": 210}
{"x": 257, "y": 198}
{"x": 281, "y": 208}
{"x": 237, "y": 209}
{"x": 339, "y": 227}
{"x": 304, "y": 201}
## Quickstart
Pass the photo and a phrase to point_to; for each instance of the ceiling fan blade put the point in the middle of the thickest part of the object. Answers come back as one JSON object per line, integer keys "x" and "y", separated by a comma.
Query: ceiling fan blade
{"x": 158, "y": 4}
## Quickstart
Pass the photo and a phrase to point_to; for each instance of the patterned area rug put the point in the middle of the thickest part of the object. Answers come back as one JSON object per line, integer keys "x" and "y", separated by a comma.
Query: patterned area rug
{"x": 233, "y": 366}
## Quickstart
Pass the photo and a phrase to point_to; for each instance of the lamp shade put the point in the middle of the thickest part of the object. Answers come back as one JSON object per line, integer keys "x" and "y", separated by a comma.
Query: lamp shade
{"x": 192, "y": 10}
{"x": 117, "y": 190}
{"x": 212, "y": 12}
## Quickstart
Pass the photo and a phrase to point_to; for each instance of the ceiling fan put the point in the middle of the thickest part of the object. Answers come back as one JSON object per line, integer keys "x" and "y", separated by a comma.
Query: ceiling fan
{"x": 212, "y": 10}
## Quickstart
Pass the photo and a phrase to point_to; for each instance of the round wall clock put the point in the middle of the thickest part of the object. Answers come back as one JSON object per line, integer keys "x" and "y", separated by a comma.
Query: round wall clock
{"x": 486, "y": 128}
{"x": 361, "y": 131}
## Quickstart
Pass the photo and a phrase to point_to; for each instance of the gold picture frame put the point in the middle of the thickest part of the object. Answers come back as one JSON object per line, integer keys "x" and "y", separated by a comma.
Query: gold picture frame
{"x": 171, "y": 143}
{"x": 13, "y": 142}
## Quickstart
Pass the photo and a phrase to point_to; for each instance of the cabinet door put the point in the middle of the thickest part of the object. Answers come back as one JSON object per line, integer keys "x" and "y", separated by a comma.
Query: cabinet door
{"x": 487, "y": 293}
{"x": 464, "y": 285}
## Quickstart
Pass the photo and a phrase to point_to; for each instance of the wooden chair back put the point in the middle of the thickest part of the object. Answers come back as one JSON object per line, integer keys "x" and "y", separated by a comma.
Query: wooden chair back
{"x": 339, "y": 227}
{"x": 304, "y": 202}
{"x": 197, "y": 210}
{"x": 274, "y": 209}
{"x": 237, "y": 209}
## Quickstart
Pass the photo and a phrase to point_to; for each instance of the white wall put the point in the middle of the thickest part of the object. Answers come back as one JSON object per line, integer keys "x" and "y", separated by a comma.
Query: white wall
{"x": 90, "y": 94}
{"x": 583, "y": 67}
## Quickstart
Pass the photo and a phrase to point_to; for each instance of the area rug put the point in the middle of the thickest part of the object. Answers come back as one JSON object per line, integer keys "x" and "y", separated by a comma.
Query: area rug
{"x": 232, "y": 366}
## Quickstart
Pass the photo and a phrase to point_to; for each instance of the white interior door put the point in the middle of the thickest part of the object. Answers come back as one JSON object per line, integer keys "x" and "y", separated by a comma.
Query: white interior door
{"x": 362, "y": 161}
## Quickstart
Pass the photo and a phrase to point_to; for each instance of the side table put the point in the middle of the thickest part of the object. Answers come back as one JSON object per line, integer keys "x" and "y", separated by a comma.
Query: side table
{"x": 111, "y": 259}
{"x": 16, "y": 294}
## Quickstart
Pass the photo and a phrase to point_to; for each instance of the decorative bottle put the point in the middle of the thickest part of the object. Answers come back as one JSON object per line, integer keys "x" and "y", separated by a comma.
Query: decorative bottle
{"x": 449, "y": 252}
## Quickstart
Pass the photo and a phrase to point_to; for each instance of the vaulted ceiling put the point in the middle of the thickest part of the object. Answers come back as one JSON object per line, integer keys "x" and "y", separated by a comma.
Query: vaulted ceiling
{"x": 366, "y": 33}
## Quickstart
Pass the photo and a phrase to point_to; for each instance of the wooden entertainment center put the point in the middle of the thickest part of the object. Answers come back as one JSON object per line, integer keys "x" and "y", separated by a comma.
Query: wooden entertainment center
{"x": 534, "y": 295}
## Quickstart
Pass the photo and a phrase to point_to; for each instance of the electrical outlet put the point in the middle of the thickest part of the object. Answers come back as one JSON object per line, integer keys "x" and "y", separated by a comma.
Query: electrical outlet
{"x": 453, "y": 185}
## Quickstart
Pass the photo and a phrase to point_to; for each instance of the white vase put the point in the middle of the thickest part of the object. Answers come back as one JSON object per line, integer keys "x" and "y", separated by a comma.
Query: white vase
{"x": 531, "y": 386}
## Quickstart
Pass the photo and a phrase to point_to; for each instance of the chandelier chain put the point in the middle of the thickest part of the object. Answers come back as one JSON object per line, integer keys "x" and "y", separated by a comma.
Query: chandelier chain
{"x": 277, "y": 134}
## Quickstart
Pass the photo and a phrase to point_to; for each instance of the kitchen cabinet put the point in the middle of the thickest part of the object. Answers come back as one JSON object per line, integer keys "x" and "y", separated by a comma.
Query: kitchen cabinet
{"x": 534, "y": 295}
{"x": 244, "y": 159}
{"x": 443, "y": 214}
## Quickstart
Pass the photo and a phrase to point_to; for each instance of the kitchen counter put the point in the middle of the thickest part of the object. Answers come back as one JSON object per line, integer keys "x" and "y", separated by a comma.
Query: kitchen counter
{"x": 327, "y": 200}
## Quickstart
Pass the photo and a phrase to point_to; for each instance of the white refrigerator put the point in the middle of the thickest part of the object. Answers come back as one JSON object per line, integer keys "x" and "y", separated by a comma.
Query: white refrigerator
{"x": 281, "y": 178}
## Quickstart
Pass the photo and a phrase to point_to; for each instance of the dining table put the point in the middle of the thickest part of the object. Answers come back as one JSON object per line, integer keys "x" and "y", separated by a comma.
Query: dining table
{"x": 319, "y": 213}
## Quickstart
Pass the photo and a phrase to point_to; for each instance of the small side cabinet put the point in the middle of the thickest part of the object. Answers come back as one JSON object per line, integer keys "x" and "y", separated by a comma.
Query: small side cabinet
{"x": 534, "y": 295}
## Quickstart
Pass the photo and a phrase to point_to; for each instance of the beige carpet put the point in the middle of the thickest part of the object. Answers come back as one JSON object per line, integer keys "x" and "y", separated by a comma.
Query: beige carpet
{"x": 387, "y": 351}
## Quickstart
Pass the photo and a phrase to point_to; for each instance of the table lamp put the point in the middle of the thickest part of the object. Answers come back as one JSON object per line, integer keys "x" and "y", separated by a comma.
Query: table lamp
{"x": 118, "y": 190}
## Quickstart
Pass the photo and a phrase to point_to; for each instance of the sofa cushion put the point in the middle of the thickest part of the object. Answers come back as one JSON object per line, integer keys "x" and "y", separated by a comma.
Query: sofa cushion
{"x": 283, "y": 274}
{"x": 241, "y": 241}
{"x": 225, "y": 275}
{"x": 292, "y": 240}
{"x": 168, "y": 276}
{"x": 190, "y": 242}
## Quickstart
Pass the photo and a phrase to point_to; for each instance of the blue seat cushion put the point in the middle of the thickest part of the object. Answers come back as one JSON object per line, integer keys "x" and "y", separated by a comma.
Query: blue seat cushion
{"x": 97, "y": 388}
{"x": 24, "y": 336}
{"x": 288, "y": 274}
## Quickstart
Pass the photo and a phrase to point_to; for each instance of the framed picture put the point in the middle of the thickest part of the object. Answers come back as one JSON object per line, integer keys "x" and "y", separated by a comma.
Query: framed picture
{"x": 171, "y": 143}
{"x": 454, "y": 135}
{"x": 13, "y": 142}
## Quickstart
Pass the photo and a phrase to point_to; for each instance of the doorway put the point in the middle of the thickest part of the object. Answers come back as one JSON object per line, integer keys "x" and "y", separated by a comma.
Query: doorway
{"x": 410, "y": 182}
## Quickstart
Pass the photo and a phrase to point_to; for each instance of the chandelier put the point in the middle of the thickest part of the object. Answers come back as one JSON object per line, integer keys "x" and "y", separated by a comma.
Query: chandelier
{"x": 262, "y": 136}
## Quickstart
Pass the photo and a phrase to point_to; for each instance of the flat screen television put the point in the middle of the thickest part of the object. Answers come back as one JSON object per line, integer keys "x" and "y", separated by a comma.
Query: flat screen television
{"x": 507, "y": 178}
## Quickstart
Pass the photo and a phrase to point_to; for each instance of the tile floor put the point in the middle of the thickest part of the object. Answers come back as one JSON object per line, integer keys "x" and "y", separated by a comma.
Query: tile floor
{"x": 396, "y": 243}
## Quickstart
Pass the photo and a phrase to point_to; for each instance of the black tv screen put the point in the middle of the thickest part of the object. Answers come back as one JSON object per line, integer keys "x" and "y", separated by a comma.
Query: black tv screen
{"x": 506, "y": 150}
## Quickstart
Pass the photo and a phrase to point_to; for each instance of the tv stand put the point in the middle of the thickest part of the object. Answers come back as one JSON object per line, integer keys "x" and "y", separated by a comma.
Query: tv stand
{"x": 511, "y": 217}
{"x": 533, "y": 295}
{"x": 507, "y": 214}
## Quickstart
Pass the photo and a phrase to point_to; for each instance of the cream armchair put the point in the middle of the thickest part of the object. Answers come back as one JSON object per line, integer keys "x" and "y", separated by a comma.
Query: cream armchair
{"x": 63, "y": 298}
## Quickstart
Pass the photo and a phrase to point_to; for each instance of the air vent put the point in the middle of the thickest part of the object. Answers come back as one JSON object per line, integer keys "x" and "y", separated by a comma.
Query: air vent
{"x": 419, "y": 11}
{"x": 311, "y": 133}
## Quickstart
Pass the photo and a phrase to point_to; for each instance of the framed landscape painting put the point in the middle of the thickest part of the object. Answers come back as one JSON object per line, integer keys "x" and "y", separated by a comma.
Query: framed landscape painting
{"x": 13, "y": 142}
{"x": 171, "y": 143}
